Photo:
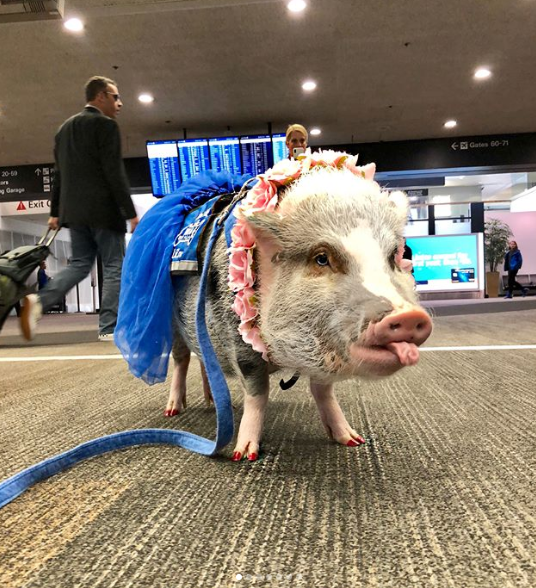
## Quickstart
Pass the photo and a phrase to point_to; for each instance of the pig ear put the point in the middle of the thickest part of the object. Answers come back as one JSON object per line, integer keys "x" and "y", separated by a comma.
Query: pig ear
{"x": 400, "y": 201}
{"x": 267, "y": 228}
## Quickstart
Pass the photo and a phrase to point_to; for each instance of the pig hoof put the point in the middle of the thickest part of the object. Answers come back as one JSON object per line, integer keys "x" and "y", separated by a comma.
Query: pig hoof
{"x": 249, "y": 450}
{"x": 344, "y": 435}
{"x": 171, "y": 412}
{"x": 174, "y": 408}
{"x": 355, "y": 442}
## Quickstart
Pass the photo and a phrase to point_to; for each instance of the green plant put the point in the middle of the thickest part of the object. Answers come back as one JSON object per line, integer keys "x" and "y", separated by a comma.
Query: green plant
{"x": 496, "y": 237}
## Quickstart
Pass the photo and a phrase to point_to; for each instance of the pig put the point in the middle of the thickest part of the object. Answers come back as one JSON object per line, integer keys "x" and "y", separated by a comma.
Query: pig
{"x": 332, "y": 302}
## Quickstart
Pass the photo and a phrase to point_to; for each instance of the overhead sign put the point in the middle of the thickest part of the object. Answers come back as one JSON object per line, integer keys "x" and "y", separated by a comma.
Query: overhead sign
{"x": 482, "y": 144}
{"x": 24, "y": 207}
{"x": 494, "y": 152}
{"x": 26, "y": 182}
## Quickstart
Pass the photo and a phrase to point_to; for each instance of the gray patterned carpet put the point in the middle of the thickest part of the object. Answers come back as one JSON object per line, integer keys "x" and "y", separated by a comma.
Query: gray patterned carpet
{"x": 442, "y": 495}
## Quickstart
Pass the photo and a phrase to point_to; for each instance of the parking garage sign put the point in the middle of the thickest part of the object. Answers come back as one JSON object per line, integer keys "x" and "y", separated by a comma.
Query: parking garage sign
{"x": 26, "y": 182}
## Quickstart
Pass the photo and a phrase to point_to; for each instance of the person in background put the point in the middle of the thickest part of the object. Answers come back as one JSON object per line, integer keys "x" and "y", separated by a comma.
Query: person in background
{"x": 408, "y": 253}
{"x": 407, "y": 256}
{"x": 42, "y": 276}
{"x": 513, "y": 261}
{"x": 296, "y": 137}
{"x": 91, "y": 197}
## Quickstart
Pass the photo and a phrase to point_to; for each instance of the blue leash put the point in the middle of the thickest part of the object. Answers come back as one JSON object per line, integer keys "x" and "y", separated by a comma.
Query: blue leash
{"x": 17, "y": 484}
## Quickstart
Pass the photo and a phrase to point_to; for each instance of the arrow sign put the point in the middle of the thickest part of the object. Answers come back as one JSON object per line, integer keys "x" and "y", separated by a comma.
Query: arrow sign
{"x": 454, "y": 146}
{"x": 21, "y": 206}
{"x": 38, "y": 172}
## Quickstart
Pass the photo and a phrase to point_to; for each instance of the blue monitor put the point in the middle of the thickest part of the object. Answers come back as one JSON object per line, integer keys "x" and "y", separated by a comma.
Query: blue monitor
{"x": 279, "y": 147}
{"x": 225, "y": 154}
{"x": 193, "y": 157}
{"x": 448, "y": 262}
{"x": 164, "y": 166}
{"x": 257, "y": 154}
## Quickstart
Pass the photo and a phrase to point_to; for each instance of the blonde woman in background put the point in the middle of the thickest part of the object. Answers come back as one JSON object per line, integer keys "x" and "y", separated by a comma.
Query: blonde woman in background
{"x": 296, "y": 138}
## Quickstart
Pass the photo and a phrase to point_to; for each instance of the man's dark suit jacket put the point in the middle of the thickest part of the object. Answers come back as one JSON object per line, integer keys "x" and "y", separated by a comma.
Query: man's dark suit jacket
{"x": 90, "y": 184}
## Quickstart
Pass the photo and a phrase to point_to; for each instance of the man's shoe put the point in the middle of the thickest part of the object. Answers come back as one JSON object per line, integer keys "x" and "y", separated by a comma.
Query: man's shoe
{"x": 107, "y": 337}
{"x": 508, "y": 297}
{"x": 524, "y": 292}
{"x": 31, "y": 312}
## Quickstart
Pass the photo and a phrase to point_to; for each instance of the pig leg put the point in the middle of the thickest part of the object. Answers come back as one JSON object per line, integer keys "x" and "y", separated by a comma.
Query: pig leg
{"x": 206, "y": 386}
{"x": 250, "y": 430}
{"x": 177, "y": 394}
{"x": 332, "y": 417}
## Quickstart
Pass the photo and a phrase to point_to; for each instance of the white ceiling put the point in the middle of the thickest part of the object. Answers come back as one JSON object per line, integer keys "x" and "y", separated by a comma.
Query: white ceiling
{"x": 386, "y": 69}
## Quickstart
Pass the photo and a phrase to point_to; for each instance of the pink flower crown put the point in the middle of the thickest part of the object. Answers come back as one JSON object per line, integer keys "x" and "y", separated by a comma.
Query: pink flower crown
{"x": 264, "y": 197}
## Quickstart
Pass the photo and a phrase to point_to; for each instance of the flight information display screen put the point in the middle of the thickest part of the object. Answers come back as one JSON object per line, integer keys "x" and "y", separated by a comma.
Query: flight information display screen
{"x": 225, "y": 154}
{"x": 164, "y": 166}
{"x": 256, "y": 153}
{"x": 279, "y": 147}
{"x": 193, "y": 157}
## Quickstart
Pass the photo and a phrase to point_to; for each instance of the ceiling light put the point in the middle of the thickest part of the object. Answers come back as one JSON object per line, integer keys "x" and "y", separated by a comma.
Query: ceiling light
{"x": 296, "y": 5}
{"x": 309, "y": 85}
{"x": 74, "y": 25}
{"x": 450, "y": 124}
{"x": 482, "y": 73}
{"x": 146, "y": 98}
{"x": 315, "y": 132}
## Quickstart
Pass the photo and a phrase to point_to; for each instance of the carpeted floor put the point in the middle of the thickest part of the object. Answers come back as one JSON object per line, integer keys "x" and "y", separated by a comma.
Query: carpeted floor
{"x": 442, "y": 495}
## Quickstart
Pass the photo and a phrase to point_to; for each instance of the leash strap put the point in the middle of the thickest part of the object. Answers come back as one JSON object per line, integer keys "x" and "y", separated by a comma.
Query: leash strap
{"x": 289, "y": 383}
{"x": 17, "y": 484}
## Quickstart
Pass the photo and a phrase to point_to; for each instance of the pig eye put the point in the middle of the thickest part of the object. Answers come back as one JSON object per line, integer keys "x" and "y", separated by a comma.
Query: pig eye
{"x": 322, "y": 259}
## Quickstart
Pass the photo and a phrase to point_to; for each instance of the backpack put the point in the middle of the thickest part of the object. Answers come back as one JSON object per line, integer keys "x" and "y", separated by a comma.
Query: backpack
{"x": 15, "y": 268}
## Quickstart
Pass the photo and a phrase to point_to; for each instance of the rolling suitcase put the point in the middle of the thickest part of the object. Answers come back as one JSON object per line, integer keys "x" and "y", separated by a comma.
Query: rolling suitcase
{"x": 15, "y": 268}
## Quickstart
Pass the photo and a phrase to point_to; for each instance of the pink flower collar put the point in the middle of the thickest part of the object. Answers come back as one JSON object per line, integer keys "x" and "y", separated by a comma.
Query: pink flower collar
{"x": 263, "y": 197}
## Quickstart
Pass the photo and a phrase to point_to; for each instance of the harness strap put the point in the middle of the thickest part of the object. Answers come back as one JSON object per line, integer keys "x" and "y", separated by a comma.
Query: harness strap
{"x": 17, "y": 484}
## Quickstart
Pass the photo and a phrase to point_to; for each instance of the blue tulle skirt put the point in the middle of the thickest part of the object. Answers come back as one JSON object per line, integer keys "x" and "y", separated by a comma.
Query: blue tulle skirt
{"x": 144, "y": 327}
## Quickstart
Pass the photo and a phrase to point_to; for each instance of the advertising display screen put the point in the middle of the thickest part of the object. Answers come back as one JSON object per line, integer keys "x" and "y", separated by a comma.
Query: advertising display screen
{"x": 193, "y": 157}
{"x": 448, "y": 262}
{"x": 225, "y": 154}
{"x": 256, "y": 153}
{"x": 279, "y": 147}
{"x": 164, "y": 166}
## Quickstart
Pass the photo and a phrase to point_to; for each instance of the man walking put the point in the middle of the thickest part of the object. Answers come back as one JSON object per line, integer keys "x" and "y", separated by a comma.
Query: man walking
{"x": 91, "y": 197}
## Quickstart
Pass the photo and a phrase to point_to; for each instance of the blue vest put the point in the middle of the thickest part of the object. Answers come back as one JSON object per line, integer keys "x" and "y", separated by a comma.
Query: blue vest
{"x": 187, "y": 258}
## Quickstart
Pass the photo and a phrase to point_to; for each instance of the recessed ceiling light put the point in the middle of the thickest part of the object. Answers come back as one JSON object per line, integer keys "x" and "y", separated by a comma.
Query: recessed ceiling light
{"x": 146, "y": 98}
{"x": 315, "y": 131}
{"x": 296, "y": 5}
{"x": 450, "y": 124}
{"x": 74, "y": 25}
{"x": 309, "y": 85}
{"x": 482, "y": 73}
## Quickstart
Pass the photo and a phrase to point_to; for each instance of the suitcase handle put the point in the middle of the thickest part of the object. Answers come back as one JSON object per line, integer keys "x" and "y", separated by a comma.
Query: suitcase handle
{"x": 44, "y": 237}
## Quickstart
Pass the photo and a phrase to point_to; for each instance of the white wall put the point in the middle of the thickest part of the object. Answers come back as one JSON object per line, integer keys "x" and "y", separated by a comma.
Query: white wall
{"x": 526, "y": 201}
{"x": 523, "y": 225}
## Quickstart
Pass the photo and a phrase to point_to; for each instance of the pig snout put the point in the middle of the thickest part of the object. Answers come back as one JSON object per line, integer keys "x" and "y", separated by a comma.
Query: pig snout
{"x": 392, "y": 342}
{"x": 411, "y": 326}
